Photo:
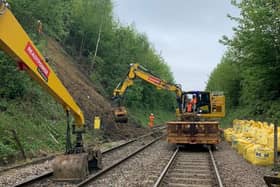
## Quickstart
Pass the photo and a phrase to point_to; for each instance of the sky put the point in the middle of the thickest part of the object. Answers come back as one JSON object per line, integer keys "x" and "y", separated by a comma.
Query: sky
{"x": 185, "y": 32}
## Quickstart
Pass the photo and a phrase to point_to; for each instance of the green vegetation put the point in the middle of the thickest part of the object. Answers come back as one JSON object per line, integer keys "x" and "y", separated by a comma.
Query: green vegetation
{"x": 38, "y": 121}
{"x": 102, "y": 47}
{"x": 249, "y": 71}
{"x": 161, "y": 116}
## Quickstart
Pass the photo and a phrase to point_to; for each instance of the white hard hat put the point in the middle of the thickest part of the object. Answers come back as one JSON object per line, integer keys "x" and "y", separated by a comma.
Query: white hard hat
{"x": 152, "y": 114}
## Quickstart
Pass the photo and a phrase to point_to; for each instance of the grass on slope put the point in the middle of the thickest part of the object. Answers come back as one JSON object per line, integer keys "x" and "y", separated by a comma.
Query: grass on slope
{"x": 268, "y": 111}
{"x": 142, "y": 115}
{"x": 39, "y": 123}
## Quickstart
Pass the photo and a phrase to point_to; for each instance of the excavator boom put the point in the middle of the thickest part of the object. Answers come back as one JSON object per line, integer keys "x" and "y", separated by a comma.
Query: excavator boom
{"x": 15, "y": 42}
{"x": 140, "y": 72}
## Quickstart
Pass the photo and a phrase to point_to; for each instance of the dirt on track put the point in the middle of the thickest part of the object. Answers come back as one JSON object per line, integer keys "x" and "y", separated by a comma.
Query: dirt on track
{"x": 82, "y": 90}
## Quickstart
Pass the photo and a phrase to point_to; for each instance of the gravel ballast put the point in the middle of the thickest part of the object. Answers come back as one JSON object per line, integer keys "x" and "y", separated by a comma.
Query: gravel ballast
{"x": 235, "y": 170}
{"x": 17, "y": 175}
{"x": 141, "y": 170}
{"x": 144, "y": 168}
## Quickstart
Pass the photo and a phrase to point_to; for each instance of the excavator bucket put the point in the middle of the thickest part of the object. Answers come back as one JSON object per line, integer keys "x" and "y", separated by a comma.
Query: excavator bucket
{"x": 71, "y": 167}
{"x": 120, "y": 114}
{"x": 76, "y": 167}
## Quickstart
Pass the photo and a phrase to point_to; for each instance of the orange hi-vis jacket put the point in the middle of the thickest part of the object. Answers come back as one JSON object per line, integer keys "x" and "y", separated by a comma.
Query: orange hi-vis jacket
{"x": 191, "y": 104}
{"x": 152, "y": 118}
{"x": 194, "y": 101}
{"x": 189, "y": 107}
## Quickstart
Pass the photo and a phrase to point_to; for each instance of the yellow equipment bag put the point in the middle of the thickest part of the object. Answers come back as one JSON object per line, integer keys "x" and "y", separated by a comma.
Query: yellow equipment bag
{"x": 242, "y": 144}
{"x": 246, "y": 148}
{"x": 259, "y": 155}
{"x": 262, "y": 136}
{"x": 228, "y": 134}
{"x": 237, "y": 127}
{"x": 270, "y": 143}
{"x": 235, "y": 138}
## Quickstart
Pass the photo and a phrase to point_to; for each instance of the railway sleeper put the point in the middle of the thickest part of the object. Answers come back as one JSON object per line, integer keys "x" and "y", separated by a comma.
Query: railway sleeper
{"x": 195, "y": 170}
{"x": 187, "y": 185}
{"x": 190, "y": 180}
{"x": 192, "y": 164}
{"x": 193, "y": 167}
{"x": 190, "y": 175}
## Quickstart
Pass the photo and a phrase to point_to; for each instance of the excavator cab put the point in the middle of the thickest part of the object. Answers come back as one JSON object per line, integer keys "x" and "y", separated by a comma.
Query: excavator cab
{"x": 207, "y": 104}
{"x": 202, "y": 101}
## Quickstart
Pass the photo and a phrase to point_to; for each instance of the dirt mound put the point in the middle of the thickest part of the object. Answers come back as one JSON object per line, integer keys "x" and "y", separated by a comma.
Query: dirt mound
{"x": 82, "y": 90}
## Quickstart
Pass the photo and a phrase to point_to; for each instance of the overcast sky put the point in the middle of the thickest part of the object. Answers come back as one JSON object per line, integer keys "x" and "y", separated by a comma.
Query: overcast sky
{"x": 185, "y": 32}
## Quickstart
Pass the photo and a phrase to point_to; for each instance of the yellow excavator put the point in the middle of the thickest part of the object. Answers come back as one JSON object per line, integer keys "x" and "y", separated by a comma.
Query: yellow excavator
{"x": 195, "y": 126}
{"x": 140, "y": 72}
{"x": 76, "y": 162}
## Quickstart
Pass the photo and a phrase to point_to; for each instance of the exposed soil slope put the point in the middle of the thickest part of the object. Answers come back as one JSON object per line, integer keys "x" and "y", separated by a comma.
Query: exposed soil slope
{"x": 82, "y": 90}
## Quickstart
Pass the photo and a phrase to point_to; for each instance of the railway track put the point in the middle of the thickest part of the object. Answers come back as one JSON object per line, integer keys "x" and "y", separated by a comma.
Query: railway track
{"x": 190, "y": 169}
{"x": 105, "y": 170}
{"x": 111, "y": 158}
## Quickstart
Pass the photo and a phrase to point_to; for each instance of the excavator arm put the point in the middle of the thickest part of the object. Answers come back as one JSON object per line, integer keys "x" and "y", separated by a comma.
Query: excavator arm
{"x": 140, "y": 72}
{"x": 14, "y": 41}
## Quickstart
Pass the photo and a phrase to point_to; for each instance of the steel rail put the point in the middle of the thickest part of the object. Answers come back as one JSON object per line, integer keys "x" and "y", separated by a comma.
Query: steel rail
{"x": 100, "y": 173}
{"x": 50, "y": 173}
{"x": 32, "y": 162}
{"x": 217, "y": 175}
{"x": 43, "y": 159}
{"x": 172, "y": 159}
{"x": 30, "y": 181}
{"x": 164, "y": 171}
{"x": 50, "y": 157}
{"x": 128, "y": 142}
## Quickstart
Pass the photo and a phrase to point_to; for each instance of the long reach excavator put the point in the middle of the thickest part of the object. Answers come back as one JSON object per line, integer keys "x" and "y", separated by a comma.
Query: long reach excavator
{"x": 194, "y": 125}
{"x": 140, "y": 72}
{"x": 76, "y": 162}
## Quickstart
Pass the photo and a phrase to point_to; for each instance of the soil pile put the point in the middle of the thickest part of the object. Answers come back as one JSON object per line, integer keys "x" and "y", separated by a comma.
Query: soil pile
{"x": 82, "y": 90}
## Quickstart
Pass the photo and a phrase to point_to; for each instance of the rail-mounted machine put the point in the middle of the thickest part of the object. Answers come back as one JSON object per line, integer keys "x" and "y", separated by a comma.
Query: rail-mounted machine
{"x": 198, "y": 126}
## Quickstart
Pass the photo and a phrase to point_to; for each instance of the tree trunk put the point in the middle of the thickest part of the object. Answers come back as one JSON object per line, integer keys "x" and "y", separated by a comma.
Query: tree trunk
{"x": 18, "y": 143}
